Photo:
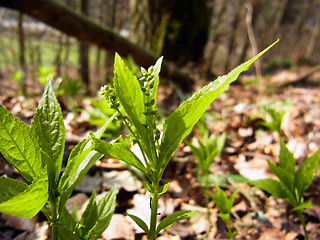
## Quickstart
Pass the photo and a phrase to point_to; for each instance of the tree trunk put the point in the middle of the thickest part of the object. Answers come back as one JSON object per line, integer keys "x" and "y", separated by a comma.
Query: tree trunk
{"x": 111, "y": 24}
{"x": 22, "y": 58}
{"x": 73, "y": 24}
{"x": 58, "y": 58}
{"x": 186, "y": 38}
{"x": 84, "y": 51}
{"x": 232, "y": 38}
{"x": 215, "y": 34}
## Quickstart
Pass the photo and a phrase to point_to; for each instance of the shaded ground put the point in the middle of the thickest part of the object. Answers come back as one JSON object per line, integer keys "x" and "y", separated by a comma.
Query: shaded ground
{"x": 256, "y": 215}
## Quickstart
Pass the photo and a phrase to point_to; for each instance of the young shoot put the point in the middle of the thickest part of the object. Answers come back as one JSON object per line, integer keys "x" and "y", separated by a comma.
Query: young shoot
{"x": 135, "y": 103}
{"x": 225, "y": 205}
{"x": 293, "y": 180}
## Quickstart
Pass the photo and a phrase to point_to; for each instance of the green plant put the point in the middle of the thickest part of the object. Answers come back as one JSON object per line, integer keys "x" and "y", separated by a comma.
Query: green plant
{"x": 135, "y": 103}
{"x": 99, "y": 114}
{"x": 292, "y": 183}
{"x": 276, "y": 63}
{"x": 273, "y": 119}
{"x": 37, "y": 152}
{"x": 209, "y": 148}
{"x": 225, "y": 205}
{"x": 72, "y": 90}
{"x": 44, "y": 73}
{"x": 18, "y": 76}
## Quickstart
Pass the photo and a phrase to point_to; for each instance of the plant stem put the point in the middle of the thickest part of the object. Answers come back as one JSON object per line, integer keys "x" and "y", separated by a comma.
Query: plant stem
{"x": 301, "y": 217}
{"x": 54, "y": 217}
{"x": 229, "y": 231}
{"x": 206, "y": 189}
{"x": 154, "y": 215}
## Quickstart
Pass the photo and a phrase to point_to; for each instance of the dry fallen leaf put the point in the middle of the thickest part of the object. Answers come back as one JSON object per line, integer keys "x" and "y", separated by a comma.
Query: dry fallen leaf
{"x": 119, "y": 228}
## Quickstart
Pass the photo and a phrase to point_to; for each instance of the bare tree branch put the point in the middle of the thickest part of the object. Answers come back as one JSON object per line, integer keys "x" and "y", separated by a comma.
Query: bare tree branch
{"x": 81, "y": 27}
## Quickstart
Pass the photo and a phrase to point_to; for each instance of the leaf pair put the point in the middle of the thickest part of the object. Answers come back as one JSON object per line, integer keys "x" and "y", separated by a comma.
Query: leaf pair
{"x": 224, "y": 203}
{"x": 165, "y": 223}
{"x": 292, "y": 183}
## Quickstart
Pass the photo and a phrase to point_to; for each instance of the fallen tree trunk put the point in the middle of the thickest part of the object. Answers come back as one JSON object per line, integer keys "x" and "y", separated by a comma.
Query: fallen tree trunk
{"x": 303, "y": 78}
{"x": 83, "y": 28}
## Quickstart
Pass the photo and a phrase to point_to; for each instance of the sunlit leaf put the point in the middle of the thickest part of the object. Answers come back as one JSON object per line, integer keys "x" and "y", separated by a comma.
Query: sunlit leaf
{"x": 19, "y": 146}
{"x": 29, "y": 202}
{"x": 180, "y": 123}
{"x": 10, "y": 187}
{"x": 49, "y": 128}
{"x": 173, "y": 218}
{"x": 140, "y": 223}
{"x": 306, "y": 172}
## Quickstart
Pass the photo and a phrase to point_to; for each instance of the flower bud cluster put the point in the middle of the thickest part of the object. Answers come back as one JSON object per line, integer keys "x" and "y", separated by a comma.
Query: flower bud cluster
{"x": 148, "y": 89}
{"x": 108, "y": 94}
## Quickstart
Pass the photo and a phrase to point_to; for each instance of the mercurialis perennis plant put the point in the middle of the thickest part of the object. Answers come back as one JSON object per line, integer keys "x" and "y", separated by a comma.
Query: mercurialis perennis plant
{"x": 37, "y": 152}
{"x": 135, "y": 104}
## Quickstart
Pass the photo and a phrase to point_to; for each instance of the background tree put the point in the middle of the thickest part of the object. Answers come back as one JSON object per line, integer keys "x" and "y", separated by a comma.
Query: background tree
{"x": 187, "y": 31}
{"x": 84, "y": 49}
{"x": 22, "y": 57}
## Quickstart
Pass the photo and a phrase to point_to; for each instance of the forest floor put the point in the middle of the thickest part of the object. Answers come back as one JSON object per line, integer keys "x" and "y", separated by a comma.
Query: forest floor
{"x": 237, "y": 112}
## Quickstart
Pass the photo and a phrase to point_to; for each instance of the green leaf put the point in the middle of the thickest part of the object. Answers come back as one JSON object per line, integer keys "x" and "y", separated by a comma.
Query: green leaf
{"x": 49, "y": 128}
{"x": 66, "y": 234}
{"x": 129, "y": 92}
{"x": 28, "y": 203}
{"x": 89, "y": 217}
{"x": 276, "y": 189}
{"x": 303, "y": 206}
{"x": 173, "y": 218}
{"x": 233, "y": 197}
{"x": 76, "y": 169}
{"x": 164, "y": 188}
{"x": 306, "y": 172}
{"x": 140, "y": 223}
{"x": 286, "y": 159}
{"x": 284, "y": 176}
{"x": 222, "y": 201}
{"x": 180, "y": 123}
{"x": 105, "y": 206}
{"x": 118, "y": 150}
{"x": 224, "y": 216}
{"x": 67, "y": 219}
{"x": 156, "y": 71}
{"x": 131, "y": 97}
{"x": 81, "y": 159}
{"x": 19, "y": 146}
{"x": 10, "y": 187}
{"x": 198, "y": 153}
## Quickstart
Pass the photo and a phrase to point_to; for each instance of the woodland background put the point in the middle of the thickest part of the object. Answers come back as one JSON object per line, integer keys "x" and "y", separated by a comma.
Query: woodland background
{"x": 207, "y": 37}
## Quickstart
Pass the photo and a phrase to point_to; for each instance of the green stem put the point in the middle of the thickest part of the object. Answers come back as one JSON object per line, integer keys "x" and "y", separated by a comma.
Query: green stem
{"x": 301, "y": 217}
{"x": 54, "y": 217}
{"x": 154, "y": 215}
{"x": 229, "y": 230}
{"x": 134, "y": 135}
{"x": 206, "y": 190}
